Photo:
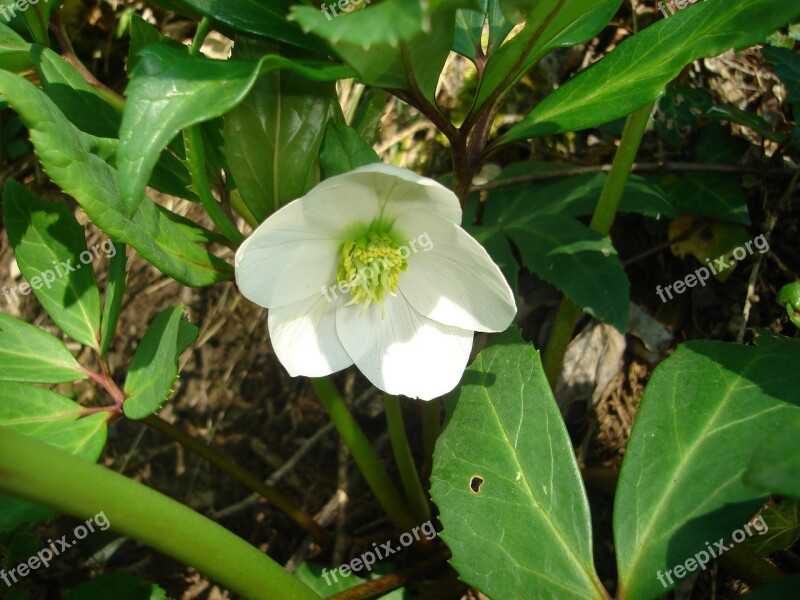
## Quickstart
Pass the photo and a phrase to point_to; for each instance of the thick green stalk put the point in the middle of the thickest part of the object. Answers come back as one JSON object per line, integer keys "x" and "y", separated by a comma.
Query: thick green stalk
{"x": 602, "y": 219}
{"x": 41, "y": 473}
{"x": 364, "y": 455}
{"x": 610, "y": 197}
{"x": 405, "y": 460}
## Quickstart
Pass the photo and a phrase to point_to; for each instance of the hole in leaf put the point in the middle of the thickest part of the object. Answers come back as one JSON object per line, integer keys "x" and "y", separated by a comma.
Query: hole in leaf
{"x": 475, "y": 483}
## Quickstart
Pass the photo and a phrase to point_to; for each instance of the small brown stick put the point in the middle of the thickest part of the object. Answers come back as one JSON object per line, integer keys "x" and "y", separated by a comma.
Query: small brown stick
{"x": 392, "y": 581}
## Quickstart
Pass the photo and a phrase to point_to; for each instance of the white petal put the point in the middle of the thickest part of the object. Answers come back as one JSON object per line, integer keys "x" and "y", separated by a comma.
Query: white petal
{"x": 294, "y": 253}
{"x": 404, "y": 353}
{"x": 304, "y": 338}
{"x": 402, "y": 190}
{"x": 454, "y": 281}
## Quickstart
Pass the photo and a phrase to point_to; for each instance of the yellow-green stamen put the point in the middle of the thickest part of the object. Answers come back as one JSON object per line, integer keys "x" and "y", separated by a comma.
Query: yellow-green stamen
{"x": 371, "y": 266}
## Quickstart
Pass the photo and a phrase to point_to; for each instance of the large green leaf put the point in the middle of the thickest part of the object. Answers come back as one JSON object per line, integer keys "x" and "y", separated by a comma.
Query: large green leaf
{"x": 262, "y": 18}
{"x": 775, "y": 466}
{"x": 548, "y": 25}
{"x": 704, "y": 413}
{"x": 48, "y": 241}
{"x": 574, "y": 196}
{"x": 53, "y": 419}
{"x": 578, "y": 261}
{"x": 273, "y": 137}
{"x": 343, "y": 150}
{"x": 29, "y": 354}
{"x": 716, "y": 195}
{"x": 37, "y": 18}
{"x": 71, "y": 159}
{"x": 507, "y": 485}
{"x": 386, "y": 43}
{"x": 171, "y": 91}
{"x": 14, "y": 50}
{"x": 154, "y": 367}
{"x": 79, "y": 101}
{"x": 635, "y": 72}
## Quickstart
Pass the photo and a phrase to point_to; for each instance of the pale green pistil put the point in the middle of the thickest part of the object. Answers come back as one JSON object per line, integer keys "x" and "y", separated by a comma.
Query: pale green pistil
{"x": 371, "y": 266}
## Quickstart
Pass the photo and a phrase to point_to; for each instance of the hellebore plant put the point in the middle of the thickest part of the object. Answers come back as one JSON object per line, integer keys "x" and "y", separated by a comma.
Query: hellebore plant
{"x": 365, "y": 264}
{"x": 406, "y": 319}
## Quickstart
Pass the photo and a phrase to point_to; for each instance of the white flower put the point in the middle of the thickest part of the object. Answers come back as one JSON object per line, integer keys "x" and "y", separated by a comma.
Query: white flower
{"x": 372, "y": 268}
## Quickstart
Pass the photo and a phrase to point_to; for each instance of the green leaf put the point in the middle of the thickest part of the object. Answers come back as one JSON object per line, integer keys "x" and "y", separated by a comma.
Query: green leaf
{"x": 37, "y": 18}
{"x": 677, "y": 110}
{"x": 154, "y": 367}
{"x": 781, "y": 528}
{"x": 386, "y": 42}
{"x": 574, "y": 196}
{"x": 578, "y": 261}
{"x": 119, "y": 586}
{"x": 51, "y": 418}
{"x": 499, "y": 248}
{"x": 343, "y": 150}
{"x": 368, "y": 115}
{"x": 469, "y": 29}
{"x": 789, "y": 298}
{"x": 716, "y": 145}
{"x": 31, "y": 355}
{"x": 14, "y": 50}
{"x": 716, "y": 195}
{"x": 115, "y": 291}
{"x": 390, "y": 22}
{"x": 787, "y": 66}
{"x": 775, "y": 465}
{"x": 273, "y": 137}
{"x": 704, "y": 413}
{"x": 70, "y": 159}
{"x": 79, "y": 101}
{"x": 548, "y": 25}
{"x": 503, "y": 460}
{"x": 635, "y": 73}
{"x": 262, "y": 18}
{"x": 143, "y": 33}
{"x": 171, "y": 91}
{"x": 15, "y": 513}
{"x": 48, "y": 241}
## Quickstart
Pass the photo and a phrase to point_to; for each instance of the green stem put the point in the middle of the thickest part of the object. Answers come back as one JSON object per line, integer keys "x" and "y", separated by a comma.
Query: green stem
{"x": 405, "y": 460}
{"x": 364, "y": 455}
{"x": 203, "y": 29}
{"x": 242, "y": 475}
{"x": 602, "y": 219}
{"x": 607, "y": 206}
{"x": 41, "y": 473}
{"x": 431, "y": 428}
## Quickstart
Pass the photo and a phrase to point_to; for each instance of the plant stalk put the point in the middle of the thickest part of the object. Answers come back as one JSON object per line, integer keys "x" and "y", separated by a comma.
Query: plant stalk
{"x": 40, "y": 473}
{"x": 364, "y": 455}
{"x": 405, "y": 459}
{"x": 602, "y": 219}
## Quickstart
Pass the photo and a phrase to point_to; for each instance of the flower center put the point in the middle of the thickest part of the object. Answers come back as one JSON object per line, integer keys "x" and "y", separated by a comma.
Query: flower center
{"x": 371, "y": 266}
